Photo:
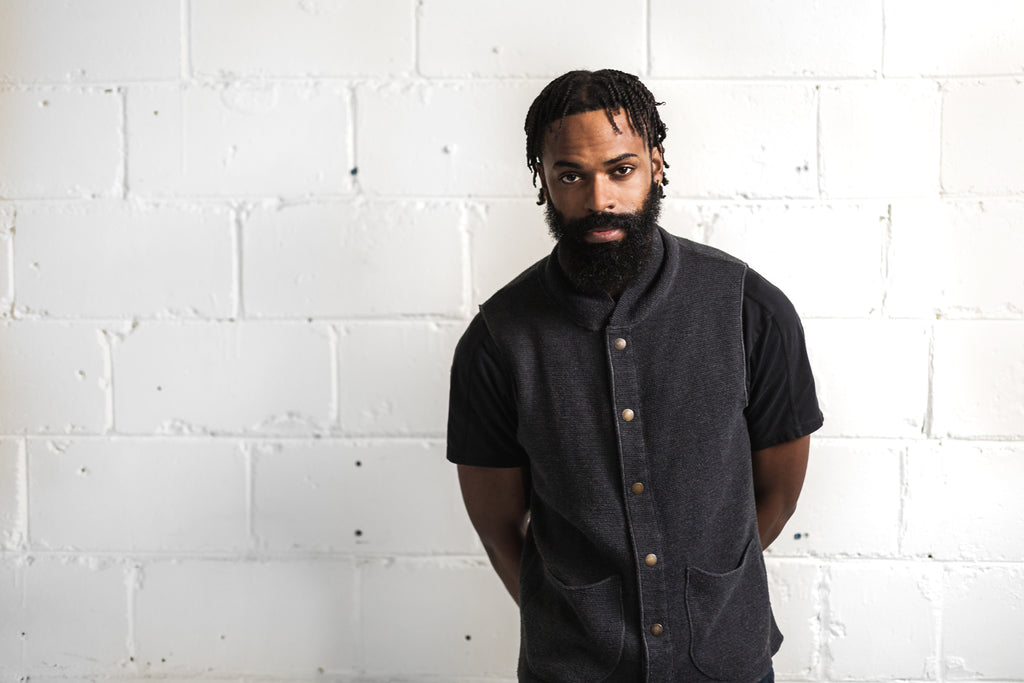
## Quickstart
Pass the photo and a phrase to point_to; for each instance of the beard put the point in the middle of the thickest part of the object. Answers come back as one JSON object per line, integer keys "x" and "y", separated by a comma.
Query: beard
{"x": 605, "y": 267}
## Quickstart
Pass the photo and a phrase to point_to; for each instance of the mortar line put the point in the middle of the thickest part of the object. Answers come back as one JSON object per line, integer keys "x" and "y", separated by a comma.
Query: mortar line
{"x": 237, "y": 238}
{"x": 109, "y": 422}
{"x": 647, "y": 26}
{"x": 927, "y": 426}
{"x": 352, "y": 142}
{"x": 334, "y": 347}
{"x": 23, "y": 456}
{"x": 132, "y": 582}
{"x": 250, "y": 526}
{"x": 886, "y": 257}
{"x": 11, "y": 238}
{"x": 186, "y": 40}
{"x": 123, "y": 93}
{"x": 825, "y": 646}
{"x": 881, "y": 66}
{"x": 901, "y": 519}
{"x": 466, "y": 245}
{"x": 817, "y": 137}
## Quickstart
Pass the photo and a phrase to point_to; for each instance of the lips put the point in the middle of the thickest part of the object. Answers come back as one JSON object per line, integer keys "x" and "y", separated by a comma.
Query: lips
{"x": 604, "y": 235}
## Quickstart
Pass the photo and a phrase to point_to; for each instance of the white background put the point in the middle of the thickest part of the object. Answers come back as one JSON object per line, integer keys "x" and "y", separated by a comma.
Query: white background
{"x": 240, "y": 238}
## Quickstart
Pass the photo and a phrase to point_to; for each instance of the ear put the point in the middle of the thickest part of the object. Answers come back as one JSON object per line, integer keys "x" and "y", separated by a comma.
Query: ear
{"x": 543, "y": 183}
{"x": 657, "y": 165}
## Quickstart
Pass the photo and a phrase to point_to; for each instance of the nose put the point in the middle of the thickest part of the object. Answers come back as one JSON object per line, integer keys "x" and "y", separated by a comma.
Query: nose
{"x": 601, "y": 197}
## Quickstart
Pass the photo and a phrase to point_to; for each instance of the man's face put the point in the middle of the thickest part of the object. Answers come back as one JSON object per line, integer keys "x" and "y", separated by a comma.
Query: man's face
{"x": 603, "y": 200}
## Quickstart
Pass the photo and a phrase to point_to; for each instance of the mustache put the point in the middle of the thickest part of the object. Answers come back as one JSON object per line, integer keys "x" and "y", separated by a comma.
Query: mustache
{"x": 579, "y": 227}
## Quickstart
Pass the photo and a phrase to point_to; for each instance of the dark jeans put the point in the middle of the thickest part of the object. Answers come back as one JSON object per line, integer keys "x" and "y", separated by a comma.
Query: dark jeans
{"x": 770, "y": 678}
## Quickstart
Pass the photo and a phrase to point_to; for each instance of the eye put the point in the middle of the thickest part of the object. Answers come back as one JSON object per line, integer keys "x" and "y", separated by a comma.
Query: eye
{"x": 568, "y": 178}
{"x": 623, "y": 171}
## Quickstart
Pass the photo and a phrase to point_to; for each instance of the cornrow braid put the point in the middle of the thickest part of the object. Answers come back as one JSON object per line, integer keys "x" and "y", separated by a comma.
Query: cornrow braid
{"x": 577, "y": 92}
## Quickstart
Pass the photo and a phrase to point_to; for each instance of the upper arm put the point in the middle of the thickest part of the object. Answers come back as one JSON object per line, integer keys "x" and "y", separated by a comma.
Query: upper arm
{"x": 495, "y": 498}
{"x": 779, "y": 471}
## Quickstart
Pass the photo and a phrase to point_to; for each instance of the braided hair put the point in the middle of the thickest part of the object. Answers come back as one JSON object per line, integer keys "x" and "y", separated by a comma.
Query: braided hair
{"x": 577, "y": 92}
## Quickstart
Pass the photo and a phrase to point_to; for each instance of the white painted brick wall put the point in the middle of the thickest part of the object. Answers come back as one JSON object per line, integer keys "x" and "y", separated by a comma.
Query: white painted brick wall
{"x": 101, "y": 40}
{"x": 751, "y": 39}
{"x": 861, "y": 595}
{"x": 240, "y": 38}
{"x": 60, "y": 143}
{"x": 240, "y": 138}
{"x": 878, "y": 139}
{"x": 230, "y": 617}
{"x": 953, "y": 38}
{"x": 981, "y": 150}
{"x": 957, "y": 259}
{"x": 503, "y": 38}
{"x": 301, "y": 260}
{"x": 111, "y": 260}
{"x": 740, "y": 140}
{"x": 240, "y": 239}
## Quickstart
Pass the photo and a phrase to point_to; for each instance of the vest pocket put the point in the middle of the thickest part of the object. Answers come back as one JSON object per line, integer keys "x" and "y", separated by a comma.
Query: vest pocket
{"x": 730, "y": 619}
{"x": 573, "y": 633}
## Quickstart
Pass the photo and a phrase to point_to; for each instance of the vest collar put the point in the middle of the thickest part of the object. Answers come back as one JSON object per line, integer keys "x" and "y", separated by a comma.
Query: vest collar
{"x": 641, "y": 296}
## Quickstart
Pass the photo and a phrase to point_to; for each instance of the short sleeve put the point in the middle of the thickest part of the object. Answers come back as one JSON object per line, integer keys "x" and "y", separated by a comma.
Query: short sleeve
{"x": 782, "y": 404}
{"x": 482, "y": 417}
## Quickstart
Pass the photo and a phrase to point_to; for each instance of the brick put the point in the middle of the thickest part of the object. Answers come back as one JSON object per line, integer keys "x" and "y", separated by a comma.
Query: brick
{"x": 981, "y": 144}
{"x": 395, "y": 377}
{"x": 509, "y": 237}
{"x": 962, "y": 501}
{"x": 12, "y": 601}
{"x": 75, "y": 261}
{"x": 102, "y": 40}
{"x": 796, "y": 604}
{"x": 878, "y": 139}
{"x": 979, "y": 379}
{"x": 871, "y": 376}
{"x": 78, "y": 615}
{"x": 982, "y": 617}
{"x": 683, "y": 218}
{"x": 953, "y": 39}
{"x": 172, "y": 495}
{"x": 13, "y": 498}
{"x": 223, "y": 377}
{"x": 240, "y": 139}
{"x": 310, "y": 39}
{"x": 786, "y": 244}
{"x": 860, "y": 478}
{"x": 957, "y": 259}
{"x": 302, "y": 260}
{"x": 465, "y": 140}
{"x": 65, "y": 359}
{"x": 369, "y": 497}
{"x": 269, "y": 617}
{"x": 746, "y": 38}
{"x": 60, "y": 143}
{"x": 502, "y": 39}
{"x": 739, "y": 139}
{"x": 865, "y": 600}
{"x": 478, "y": 634}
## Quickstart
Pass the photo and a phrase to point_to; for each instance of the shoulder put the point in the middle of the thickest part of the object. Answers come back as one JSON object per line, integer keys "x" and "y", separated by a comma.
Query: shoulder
{"x": 764, "y": 303}
{"x": 696, "y": 250}
{"x": 520, "y": 288}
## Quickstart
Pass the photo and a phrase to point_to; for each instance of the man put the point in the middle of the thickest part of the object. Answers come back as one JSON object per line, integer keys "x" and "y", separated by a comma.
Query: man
{"x": 630, "y": 417}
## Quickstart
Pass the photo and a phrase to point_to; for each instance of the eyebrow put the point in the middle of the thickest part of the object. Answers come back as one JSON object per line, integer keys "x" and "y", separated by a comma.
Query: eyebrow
{"x": 615, "y": 160}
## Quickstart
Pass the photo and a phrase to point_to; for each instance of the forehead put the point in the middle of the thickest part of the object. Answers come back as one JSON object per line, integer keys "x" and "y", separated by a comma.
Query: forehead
{"x": 590, "y": 135}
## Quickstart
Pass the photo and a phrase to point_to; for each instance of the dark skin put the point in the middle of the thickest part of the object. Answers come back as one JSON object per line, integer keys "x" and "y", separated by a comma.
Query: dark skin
{"x": 588, "y": 167}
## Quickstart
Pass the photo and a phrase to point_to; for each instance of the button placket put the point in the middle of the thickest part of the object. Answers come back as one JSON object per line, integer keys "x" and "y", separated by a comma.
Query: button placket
{"x": 641, "y": 512}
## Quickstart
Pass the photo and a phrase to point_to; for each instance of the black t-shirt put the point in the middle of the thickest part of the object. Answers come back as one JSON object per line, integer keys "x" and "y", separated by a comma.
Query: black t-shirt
{"x": 782, "y": 404}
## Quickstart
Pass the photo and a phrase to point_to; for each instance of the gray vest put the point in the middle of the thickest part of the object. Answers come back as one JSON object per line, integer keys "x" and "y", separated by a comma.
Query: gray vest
{"x": 642, "y": 560}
